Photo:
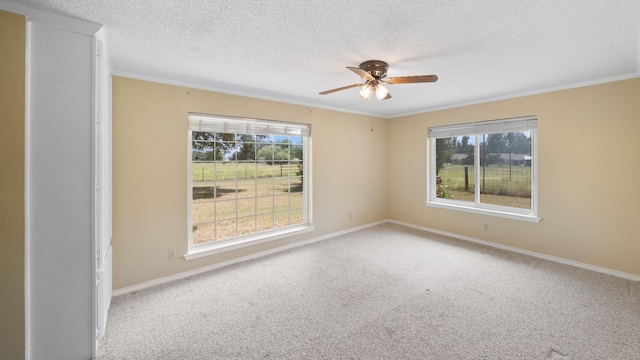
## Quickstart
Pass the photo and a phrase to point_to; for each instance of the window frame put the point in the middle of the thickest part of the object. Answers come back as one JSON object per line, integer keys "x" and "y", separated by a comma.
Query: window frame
{"x": 256, "y": 127}
{"x": 477, "y": 207}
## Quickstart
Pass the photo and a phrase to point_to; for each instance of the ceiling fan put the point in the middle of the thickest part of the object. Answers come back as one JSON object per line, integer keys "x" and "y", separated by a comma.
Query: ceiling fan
{"x": 375, "y": 72}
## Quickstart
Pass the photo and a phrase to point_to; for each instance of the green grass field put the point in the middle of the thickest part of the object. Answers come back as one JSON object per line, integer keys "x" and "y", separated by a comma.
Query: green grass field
{"x": 207, "y": 171}
{"x": 499, "y": 184}
{"x": 248, "y": 192}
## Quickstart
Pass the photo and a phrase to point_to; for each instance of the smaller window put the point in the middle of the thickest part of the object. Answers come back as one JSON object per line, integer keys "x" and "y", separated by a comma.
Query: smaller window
{"x": 485, "y": 167}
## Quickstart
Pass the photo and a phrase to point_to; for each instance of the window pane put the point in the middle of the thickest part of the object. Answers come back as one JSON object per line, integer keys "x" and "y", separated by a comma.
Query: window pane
{"x": 264, "y": 170}
{"x": 246, "y": 189}
{"x": 281, "y": 202}
{"x": 505, "y": 173}
{"x": 203, "y": 135}
{"x": 203, "y": 146}
{"x": 226, "y": 209}
{"x": 281, "y": 185}
{"x": 225, "y": 145}
{"x": 202, "y": 191}
{"x": 225, "y": 229}
{"x": 297, "y": 200}
{"x": 203, "y": 212}
{"x": 296, "y": 152}
{"x": 265, "y": 222}
{"x": 245, "y": 138}
{"x": 224, "y": 170}
{"x": 297, "y": 216}
{"x": 246, "y": 226}
{"x": 282, "y": 219}
{"x": 295, "y": 185}
{"x": 265, "y": 153}
{"x": 246, "y": 169}
{"x": 203, "y": 233}
{"x": 265, "y": 205}
{"x": 281, "y": 138}
{"x": 246, "y": 207}
{"x": 264, "y": 138}
{"x": 246, "y": 151}
{"x": 201, "y": 171}
{"x": 455, "y": 168}
{"x": 225, "y": 190}
{"x": 265, "y": 187}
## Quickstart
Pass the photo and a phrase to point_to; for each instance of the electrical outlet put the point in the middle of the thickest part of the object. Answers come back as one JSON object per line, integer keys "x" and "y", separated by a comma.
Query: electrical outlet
{"x": 172, "y": 254}
{"x": 350, "y": 216}
{"x": 486, "y": 226}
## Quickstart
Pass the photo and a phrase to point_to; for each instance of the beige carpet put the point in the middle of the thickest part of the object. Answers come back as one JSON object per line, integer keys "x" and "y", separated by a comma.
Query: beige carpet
{"x": 386, "y": 292}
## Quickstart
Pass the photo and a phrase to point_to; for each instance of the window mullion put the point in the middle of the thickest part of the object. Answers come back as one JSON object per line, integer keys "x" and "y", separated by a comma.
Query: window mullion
{"x": 215, "y": 190}
{"x": 534, "y": 171}
{"x": 476, "y": 169}
{"x": 273, "y": 183}
{"x": 255, "y": 183}
{"x": 305, "y": 177}
{"x": 289, "y": 183}
{"x": 431, "y": 170}
{"x": 235, "y": 161}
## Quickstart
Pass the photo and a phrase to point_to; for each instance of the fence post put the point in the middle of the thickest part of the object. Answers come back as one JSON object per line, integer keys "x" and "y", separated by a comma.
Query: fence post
{"x": 466, "y": 178}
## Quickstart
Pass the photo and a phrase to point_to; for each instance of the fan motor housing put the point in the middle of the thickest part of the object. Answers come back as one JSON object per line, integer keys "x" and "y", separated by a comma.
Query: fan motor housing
{"x": 377, "y": 68}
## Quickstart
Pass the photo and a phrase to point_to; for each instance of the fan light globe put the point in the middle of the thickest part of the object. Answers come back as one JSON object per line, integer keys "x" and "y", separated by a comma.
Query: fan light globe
{"x": 365, "y": 91}
{"x": 381, "y": 92}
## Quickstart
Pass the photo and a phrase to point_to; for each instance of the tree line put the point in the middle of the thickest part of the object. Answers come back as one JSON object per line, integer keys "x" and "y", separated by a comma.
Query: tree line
{"x": 491, "y": 146}
{"x": 212, "y": 146}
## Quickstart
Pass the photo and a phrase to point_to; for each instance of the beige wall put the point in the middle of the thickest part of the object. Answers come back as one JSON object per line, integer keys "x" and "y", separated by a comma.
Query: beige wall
{"x": 588, "y": 175}
{"x": 12, "y": 67}
{"x": 150, "y": 164}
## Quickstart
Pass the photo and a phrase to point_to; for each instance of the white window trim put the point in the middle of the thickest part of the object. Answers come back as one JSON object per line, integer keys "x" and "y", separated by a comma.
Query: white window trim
{"x": 530, "y": 215}
{"x": 241, "y": 242}
{"x": 196, "y": 251}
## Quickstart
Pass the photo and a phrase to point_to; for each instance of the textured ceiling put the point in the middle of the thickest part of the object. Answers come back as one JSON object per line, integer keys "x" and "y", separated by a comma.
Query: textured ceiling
{"x": 289, "y": 50}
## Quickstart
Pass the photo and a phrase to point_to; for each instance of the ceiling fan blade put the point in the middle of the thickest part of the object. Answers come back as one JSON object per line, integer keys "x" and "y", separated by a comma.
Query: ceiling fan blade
{"x": 387, "y": 97}
{"x": 412, "y": 79}
{"x": 362, "y": 73}
{"x": 340, "y": 89}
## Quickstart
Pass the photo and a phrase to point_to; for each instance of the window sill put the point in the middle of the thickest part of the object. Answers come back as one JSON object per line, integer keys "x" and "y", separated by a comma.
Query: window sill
{"x": 223, "y": 246}
{"x": 482, "y": 211}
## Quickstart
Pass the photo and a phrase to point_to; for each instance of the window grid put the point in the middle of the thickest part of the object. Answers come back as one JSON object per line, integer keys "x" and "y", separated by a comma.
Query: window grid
{"x": 237, "y": 217}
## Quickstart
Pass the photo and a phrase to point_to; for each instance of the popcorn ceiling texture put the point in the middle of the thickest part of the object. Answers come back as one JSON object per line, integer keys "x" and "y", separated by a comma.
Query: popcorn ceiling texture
{"x": 290, "y": 50}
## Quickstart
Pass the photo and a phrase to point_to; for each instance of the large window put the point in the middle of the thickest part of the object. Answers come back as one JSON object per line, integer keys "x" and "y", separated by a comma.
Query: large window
{"x": 485, "y": 167}
{"x": 248, "y": 181}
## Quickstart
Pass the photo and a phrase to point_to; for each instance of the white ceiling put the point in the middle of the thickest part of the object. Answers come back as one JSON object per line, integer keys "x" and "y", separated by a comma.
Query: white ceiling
{"x": 289, "y": 50}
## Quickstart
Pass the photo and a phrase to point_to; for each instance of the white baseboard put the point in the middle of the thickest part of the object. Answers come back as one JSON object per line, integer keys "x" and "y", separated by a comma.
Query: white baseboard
{"x": 555, "y": 259}
{"x": 201, "y": 270}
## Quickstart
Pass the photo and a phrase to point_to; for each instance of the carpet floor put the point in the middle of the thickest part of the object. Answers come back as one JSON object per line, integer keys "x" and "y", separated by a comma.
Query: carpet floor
{"x": 385, "y": 292}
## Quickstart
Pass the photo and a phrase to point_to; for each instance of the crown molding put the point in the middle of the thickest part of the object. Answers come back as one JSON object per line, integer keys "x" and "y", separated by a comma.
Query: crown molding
{"x": 46, "y": 17}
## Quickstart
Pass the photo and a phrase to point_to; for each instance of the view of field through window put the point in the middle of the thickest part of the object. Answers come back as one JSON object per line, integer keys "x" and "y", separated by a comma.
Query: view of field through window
{"x": 244, "y": 184}
{"x": 504, "y": 168}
